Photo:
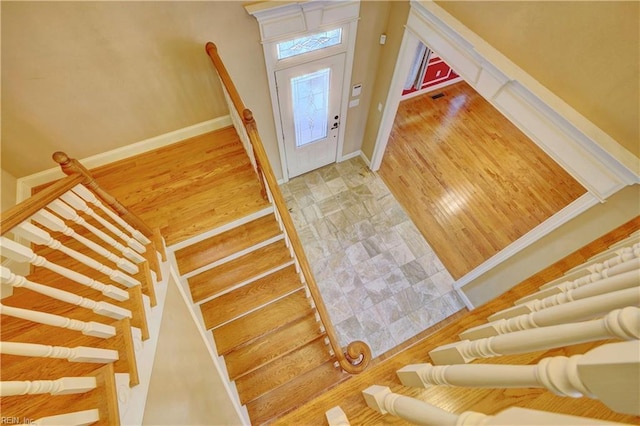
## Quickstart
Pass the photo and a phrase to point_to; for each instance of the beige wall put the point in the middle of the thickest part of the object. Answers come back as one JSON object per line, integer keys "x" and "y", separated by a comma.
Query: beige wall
{"x": 372, "y": 23}
{"x": 185, "y": 387}
{"x": 587, "y": 53}
{"x": 578, "y": 232}
{"x": 398, "y": 13}
{"x": 88, "y": 77}
{"x": 8, "y": 188}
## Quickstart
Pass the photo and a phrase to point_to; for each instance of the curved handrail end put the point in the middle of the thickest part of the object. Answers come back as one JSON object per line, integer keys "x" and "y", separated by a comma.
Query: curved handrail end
{"x": 358, "y": 357}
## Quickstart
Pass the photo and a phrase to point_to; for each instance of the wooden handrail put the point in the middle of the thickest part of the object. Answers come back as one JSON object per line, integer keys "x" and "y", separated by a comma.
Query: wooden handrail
{"x": 357, "y": 355}
{"x": 72, "y": 166}
{"x": 24, "y": 210}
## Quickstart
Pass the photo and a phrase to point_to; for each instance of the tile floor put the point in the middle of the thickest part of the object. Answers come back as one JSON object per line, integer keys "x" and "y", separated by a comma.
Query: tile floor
{"x": 379, "y": 278}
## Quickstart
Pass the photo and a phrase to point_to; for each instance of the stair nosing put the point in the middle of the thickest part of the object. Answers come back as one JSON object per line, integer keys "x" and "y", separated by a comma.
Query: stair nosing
{"x": 222, "y": 228}
{"x": 322, "y": 335}
{"x": 245, "y": 282}
{"x": 258, "y": 307}
{"x": 308, "y": 311}
{"x": 330, "y": 357}
{"x": 233, "y": 256}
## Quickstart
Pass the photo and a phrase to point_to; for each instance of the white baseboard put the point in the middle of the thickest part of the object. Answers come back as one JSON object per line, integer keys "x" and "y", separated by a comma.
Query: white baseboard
{"x": 355, "y": 154}
{"x": 25, "y": 184}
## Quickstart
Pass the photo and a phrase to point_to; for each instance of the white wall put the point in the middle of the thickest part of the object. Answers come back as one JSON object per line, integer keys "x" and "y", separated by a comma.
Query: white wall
{"x": 185, "y": 386}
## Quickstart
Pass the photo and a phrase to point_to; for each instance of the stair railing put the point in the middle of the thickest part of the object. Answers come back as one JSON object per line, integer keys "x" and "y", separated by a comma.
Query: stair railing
{"x": 357, "y": 355}
{"x": 77, "y": 263}
{"x": 381, "y": 399}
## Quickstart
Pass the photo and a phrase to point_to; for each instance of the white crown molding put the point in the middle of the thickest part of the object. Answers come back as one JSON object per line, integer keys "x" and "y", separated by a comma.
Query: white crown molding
{"x": 25, "y": 184}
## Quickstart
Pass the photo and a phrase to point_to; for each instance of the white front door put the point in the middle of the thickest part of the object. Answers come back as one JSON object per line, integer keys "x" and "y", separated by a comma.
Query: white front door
{"x": 309, "y": 97}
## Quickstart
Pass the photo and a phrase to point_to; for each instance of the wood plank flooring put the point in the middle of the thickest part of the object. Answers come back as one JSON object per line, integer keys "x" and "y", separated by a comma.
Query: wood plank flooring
{"x": 186, "y": 188}
{"x": 457, "y": 399}
{"x": 468, "y": 178}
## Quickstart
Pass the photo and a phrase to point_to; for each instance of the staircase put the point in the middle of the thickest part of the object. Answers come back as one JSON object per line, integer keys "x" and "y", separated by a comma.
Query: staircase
{"x": 83, "y": 325}
{"x": 91, "y": 349}
{"x": 245, "y": 284}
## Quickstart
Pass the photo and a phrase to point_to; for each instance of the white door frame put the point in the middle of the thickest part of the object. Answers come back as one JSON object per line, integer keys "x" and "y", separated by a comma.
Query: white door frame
{"x": 591, "y": 156}
{"x": 284, "y": 21}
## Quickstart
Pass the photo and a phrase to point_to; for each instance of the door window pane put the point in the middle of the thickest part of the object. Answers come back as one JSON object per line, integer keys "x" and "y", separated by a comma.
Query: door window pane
{"x": 310, "y": 94}
{"x": 301, "y": 45}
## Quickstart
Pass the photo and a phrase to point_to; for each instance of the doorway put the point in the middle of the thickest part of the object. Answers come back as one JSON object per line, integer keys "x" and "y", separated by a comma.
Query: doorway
{"x": 309, "y": 101}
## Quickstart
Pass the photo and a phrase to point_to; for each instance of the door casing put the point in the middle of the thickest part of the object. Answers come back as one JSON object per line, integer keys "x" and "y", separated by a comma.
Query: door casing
{"x": 317, "y": 17}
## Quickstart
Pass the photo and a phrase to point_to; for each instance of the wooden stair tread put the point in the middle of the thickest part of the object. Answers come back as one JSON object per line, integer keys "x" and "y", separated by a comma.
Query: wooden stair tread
{"x": 262, "y": 321}
{"x": 217, "y": 279}
{"x": 287, "y": 338}
{"x": 227, "y": 243}
{"x": 248, "y": 297}
{"x": 281, "y": 370}
{"x": 295, "y": 393}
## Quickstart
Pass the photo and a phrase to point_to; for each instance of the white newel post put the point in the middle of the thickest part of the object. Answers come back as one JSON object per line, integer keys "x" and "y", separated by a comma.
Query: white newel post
{"x": 77, "y": 354}
{"x": 621, "y": 324}
{"x": 63, "y": 386}
{"x": 609, "y": 373}
{"x": 41, "y": 237}
{"x": 100, "y": 308}
{"x": 606, "y": 285}
{"x": 20, "y": 253}
{"x": 568, "y": 312}
{"x": 67, "y": 212}
{"x": 381, "y": 399}
{"x": 336, "y": 417}
{"x": 90, "y": 328}
{"x": 90, "y": 197}
{"x": 55, "y": 224}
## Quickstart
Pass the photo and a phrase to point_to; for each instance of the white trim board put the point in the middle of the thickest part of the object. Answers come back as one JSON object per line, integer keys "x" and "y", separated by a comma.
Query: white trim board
{"x": 578, "y": 206}
{"x": 25, "y": 184}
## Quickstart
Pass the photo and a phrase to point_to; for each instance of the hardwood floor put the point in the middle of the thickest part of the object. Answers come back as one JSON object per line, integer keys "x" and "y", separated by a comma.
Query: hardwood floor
{"x": 459, "y": 399}
{"x": 468, "y": 178}
{"x": 189, "y": 187}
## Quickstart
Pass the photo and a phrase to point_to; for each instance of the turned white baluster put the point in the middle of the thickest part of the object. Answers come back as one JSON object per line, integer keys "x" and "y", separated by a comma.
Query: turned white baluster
{"x": 568, "y": 312}
{"x": 77, "y": 354}
{"x": 78, "y": 203}
{"x": 69, "y": 213}
{"x": 100, "y": 308}
{"x": 54, "y": 223}
{"x": 606, "y": 285}
{"x": 598, "y": 274}
{"x": 621, "y": 324}
{"x": 63, "y": 386}
{"x": 336, "y": 417}
{"x": 606, "y": 259}
{"x": 609, "y": 373}
{"x": 90, "y": 328}
{"x": 380, "y": 398}
{"x": 41, "y": 237}
{"x": 20, "y": 253}
{"x": 90, "y": 197}
{"x": 79, "y": 418}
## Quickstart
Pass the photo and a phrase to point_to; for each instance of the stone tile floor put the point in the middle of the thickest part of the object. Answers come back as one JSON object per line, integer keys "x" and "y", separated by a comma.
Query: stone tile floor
{"x": 382, "y": 283}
